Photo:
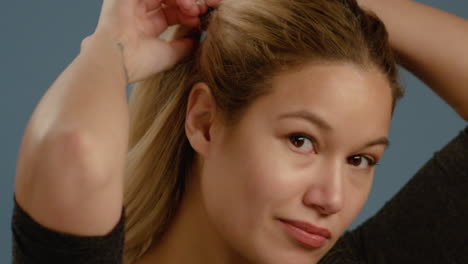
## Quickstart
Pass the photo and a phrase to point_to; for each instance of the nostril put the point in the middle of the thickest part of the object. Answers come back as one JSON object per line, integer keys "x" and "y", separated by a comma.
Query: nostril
{"x": 322, "y": 210}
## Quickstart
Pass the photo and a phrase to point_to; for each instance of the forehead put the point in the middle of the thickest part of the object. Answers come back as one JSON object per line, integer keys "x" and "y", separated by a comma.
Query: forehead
{"x": 345, "y": 95}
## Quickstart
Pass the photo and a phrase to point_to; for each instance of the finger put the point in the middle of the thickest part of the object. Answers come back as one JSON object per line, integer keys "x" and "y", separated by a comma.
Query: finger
{"x": 184, "y": 12}
{"x": 153, "y": 4}
{"x": 203, "y": 8}
{"x": 174, "y": 16}
{"x": 213, "y": 3}
{"x": 181, "y": 31}
{"x": 187, "y": 20}
{"x": 188, "y": 7}
{"x": 171, "y": 15}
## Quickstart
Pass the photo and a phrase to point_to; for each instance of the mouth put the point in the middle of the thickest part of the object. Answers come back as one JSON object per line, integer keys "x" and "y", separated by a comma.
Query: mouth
{"x": 306, "y": 233}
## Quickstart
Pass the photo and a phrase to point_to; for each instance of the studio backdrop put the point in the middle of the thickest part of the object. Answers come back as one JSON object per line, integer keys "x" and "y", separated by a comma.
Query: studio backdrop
{"x": 40, "y": 38}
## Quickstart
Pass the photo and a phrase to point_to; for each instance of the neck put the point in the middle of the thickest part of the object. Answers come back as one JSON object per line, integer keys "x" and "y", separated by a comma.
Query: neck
{"x": 190, "y": 237}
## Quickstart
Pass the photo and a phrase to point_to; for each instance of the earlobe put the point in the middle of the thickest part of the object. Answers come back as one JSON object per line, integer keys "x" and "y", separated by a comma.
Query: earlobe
{"x": 199, "y": 118}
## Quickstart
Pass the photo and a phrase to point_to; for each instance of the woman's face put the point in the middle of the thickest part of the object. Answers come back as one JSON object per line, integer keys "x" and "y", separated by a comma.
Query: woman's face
{"x": 305, "y": 153}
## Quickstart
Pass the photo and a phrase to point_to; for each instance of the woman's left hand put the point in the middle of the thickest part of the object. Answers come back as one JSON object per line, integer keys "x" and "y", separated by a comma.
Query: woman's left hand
{"x": 430, "y": 43}
{"x": 135, "y": 26}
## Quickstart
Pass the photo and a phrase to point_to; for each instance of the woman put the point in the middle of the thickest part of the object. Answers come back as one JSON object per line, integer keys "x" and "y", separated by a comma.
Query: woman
{"x": 258, "y": 147}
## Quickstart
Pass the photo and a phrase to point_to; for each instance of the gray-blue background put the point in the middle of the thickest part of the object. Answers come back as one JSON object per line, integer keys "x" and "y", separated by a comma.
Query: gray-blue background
{"x": 40, "y": 38}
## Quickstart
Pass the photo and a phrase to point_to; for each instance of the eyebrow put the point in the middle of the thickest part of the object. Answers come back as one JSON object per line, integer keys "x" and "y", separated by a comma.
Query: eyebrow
{"x": 320, "y": 122}
{"x": 380, "y": 141}
{"x": 308, "y": 116}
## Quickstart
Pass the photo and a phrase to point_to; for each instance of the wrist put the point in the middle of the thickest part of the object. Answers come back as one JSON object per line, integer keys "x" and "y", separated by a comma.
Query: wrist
{"x": 371, "y": 5}
{"x": 378, "y": 6}
{"x": 105, "y": 53}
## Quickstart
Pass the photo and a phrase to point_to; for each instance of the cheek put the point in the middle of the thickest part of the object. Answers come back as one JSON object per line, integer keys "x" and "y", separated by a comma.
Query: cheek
{"x": 242, "y": 189}
{"x": 242, "y": 182}
{"x": 267, "y": 182}
{"x": 355, "y": 200}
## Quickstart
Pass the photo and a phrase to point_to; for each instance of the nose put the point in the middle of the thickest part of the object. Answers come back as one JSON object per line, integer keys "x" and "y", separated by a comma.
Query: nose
{"x": 325, "y": 192}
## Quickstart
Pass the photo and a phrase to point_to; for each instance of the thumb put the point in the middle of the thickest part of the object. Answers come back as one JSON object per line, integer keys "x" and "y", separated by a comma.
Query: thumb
{"x": 167, "y": 54}
{"x": 180, "y": 48}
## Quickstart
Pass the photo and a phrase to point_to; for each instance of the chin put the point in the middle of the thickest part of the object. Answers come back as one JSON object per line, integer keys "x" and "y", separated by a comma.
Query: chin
{"x": 289, "y": 254}
{"x": 289, "y": 259}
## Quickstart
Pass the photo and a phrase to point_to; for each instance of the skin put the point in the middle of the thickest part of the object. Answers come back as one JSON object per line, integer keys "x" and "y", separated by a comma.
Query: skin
{"x": 70, "y": 172}
{"x": 248, "y": 176}
{"x": 79, "y": 191}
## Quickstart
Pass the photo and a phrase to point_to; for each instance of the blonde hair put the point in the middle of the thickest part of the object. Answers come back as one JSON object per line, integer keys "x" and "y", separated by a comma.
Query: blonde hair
{"x": 248, "y": 42}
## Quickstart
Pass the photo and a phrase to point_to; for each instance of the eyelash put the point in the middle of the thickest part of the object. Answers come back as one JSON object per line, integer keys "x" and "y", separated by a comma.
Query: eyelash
{"x": 302, "y": 135}
{"x": 369, "y": 160}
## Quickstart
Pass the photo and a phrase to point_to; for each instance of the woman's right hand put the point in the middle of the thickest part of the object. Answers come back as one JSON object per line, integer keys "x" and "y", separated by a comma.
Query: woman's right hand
{"x": 134, "y": 27}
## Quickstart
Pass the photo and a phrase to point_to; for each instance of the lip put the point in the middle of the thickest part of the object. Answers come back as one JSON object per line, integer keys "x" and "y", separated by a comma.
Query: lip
{"x": 306, "y": 233}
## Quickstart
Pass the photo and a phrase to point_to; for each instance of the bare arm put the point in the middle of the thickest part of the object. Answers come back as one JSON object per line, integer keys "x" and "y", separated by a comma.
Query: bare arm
{"x": 71, "y": 162}
{"x": 430, "y": 43}
{"x": 63, "y": 170}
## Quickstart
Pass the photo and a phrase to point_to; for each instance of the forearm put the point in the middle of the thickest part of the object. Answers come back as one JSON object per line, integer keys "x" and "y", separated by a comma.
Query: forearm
{"x": 89, "y": 97}
{"x": 430, "y": 43}
{"x": 71, "y": 162}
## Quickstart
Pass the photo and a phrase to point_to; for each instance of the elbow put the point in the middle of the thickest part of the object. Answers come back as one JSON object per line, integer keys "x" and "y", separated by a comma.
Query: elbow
{"x": 74, "y": 155}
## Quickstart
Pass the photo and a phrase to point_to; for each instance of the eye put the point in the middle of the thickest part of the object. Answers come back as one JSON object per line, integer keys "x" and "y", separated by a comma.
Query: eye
{"x": 361, "y": 161}
{"x": 302, "y": 142}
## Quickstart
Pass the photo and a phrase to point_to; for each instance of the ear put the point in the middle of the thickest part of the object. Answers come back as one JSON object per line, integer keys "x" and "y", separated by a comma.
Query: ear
{"x": 200, "y": 117}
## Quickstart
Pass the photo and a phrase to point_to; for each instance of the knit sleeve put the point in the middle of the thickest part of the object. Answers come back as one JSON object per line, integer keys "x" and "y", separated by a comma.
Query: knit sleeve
{"x": 33, "y": 243}
{"x": 425, "y": 222}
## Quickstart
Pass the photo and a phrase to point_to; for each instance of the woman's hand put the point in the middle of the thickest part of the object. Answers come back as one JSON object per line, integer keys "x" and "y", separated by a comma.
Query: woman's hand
{"x": 134, "y": 27}
{"x": 430, "y": 43}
